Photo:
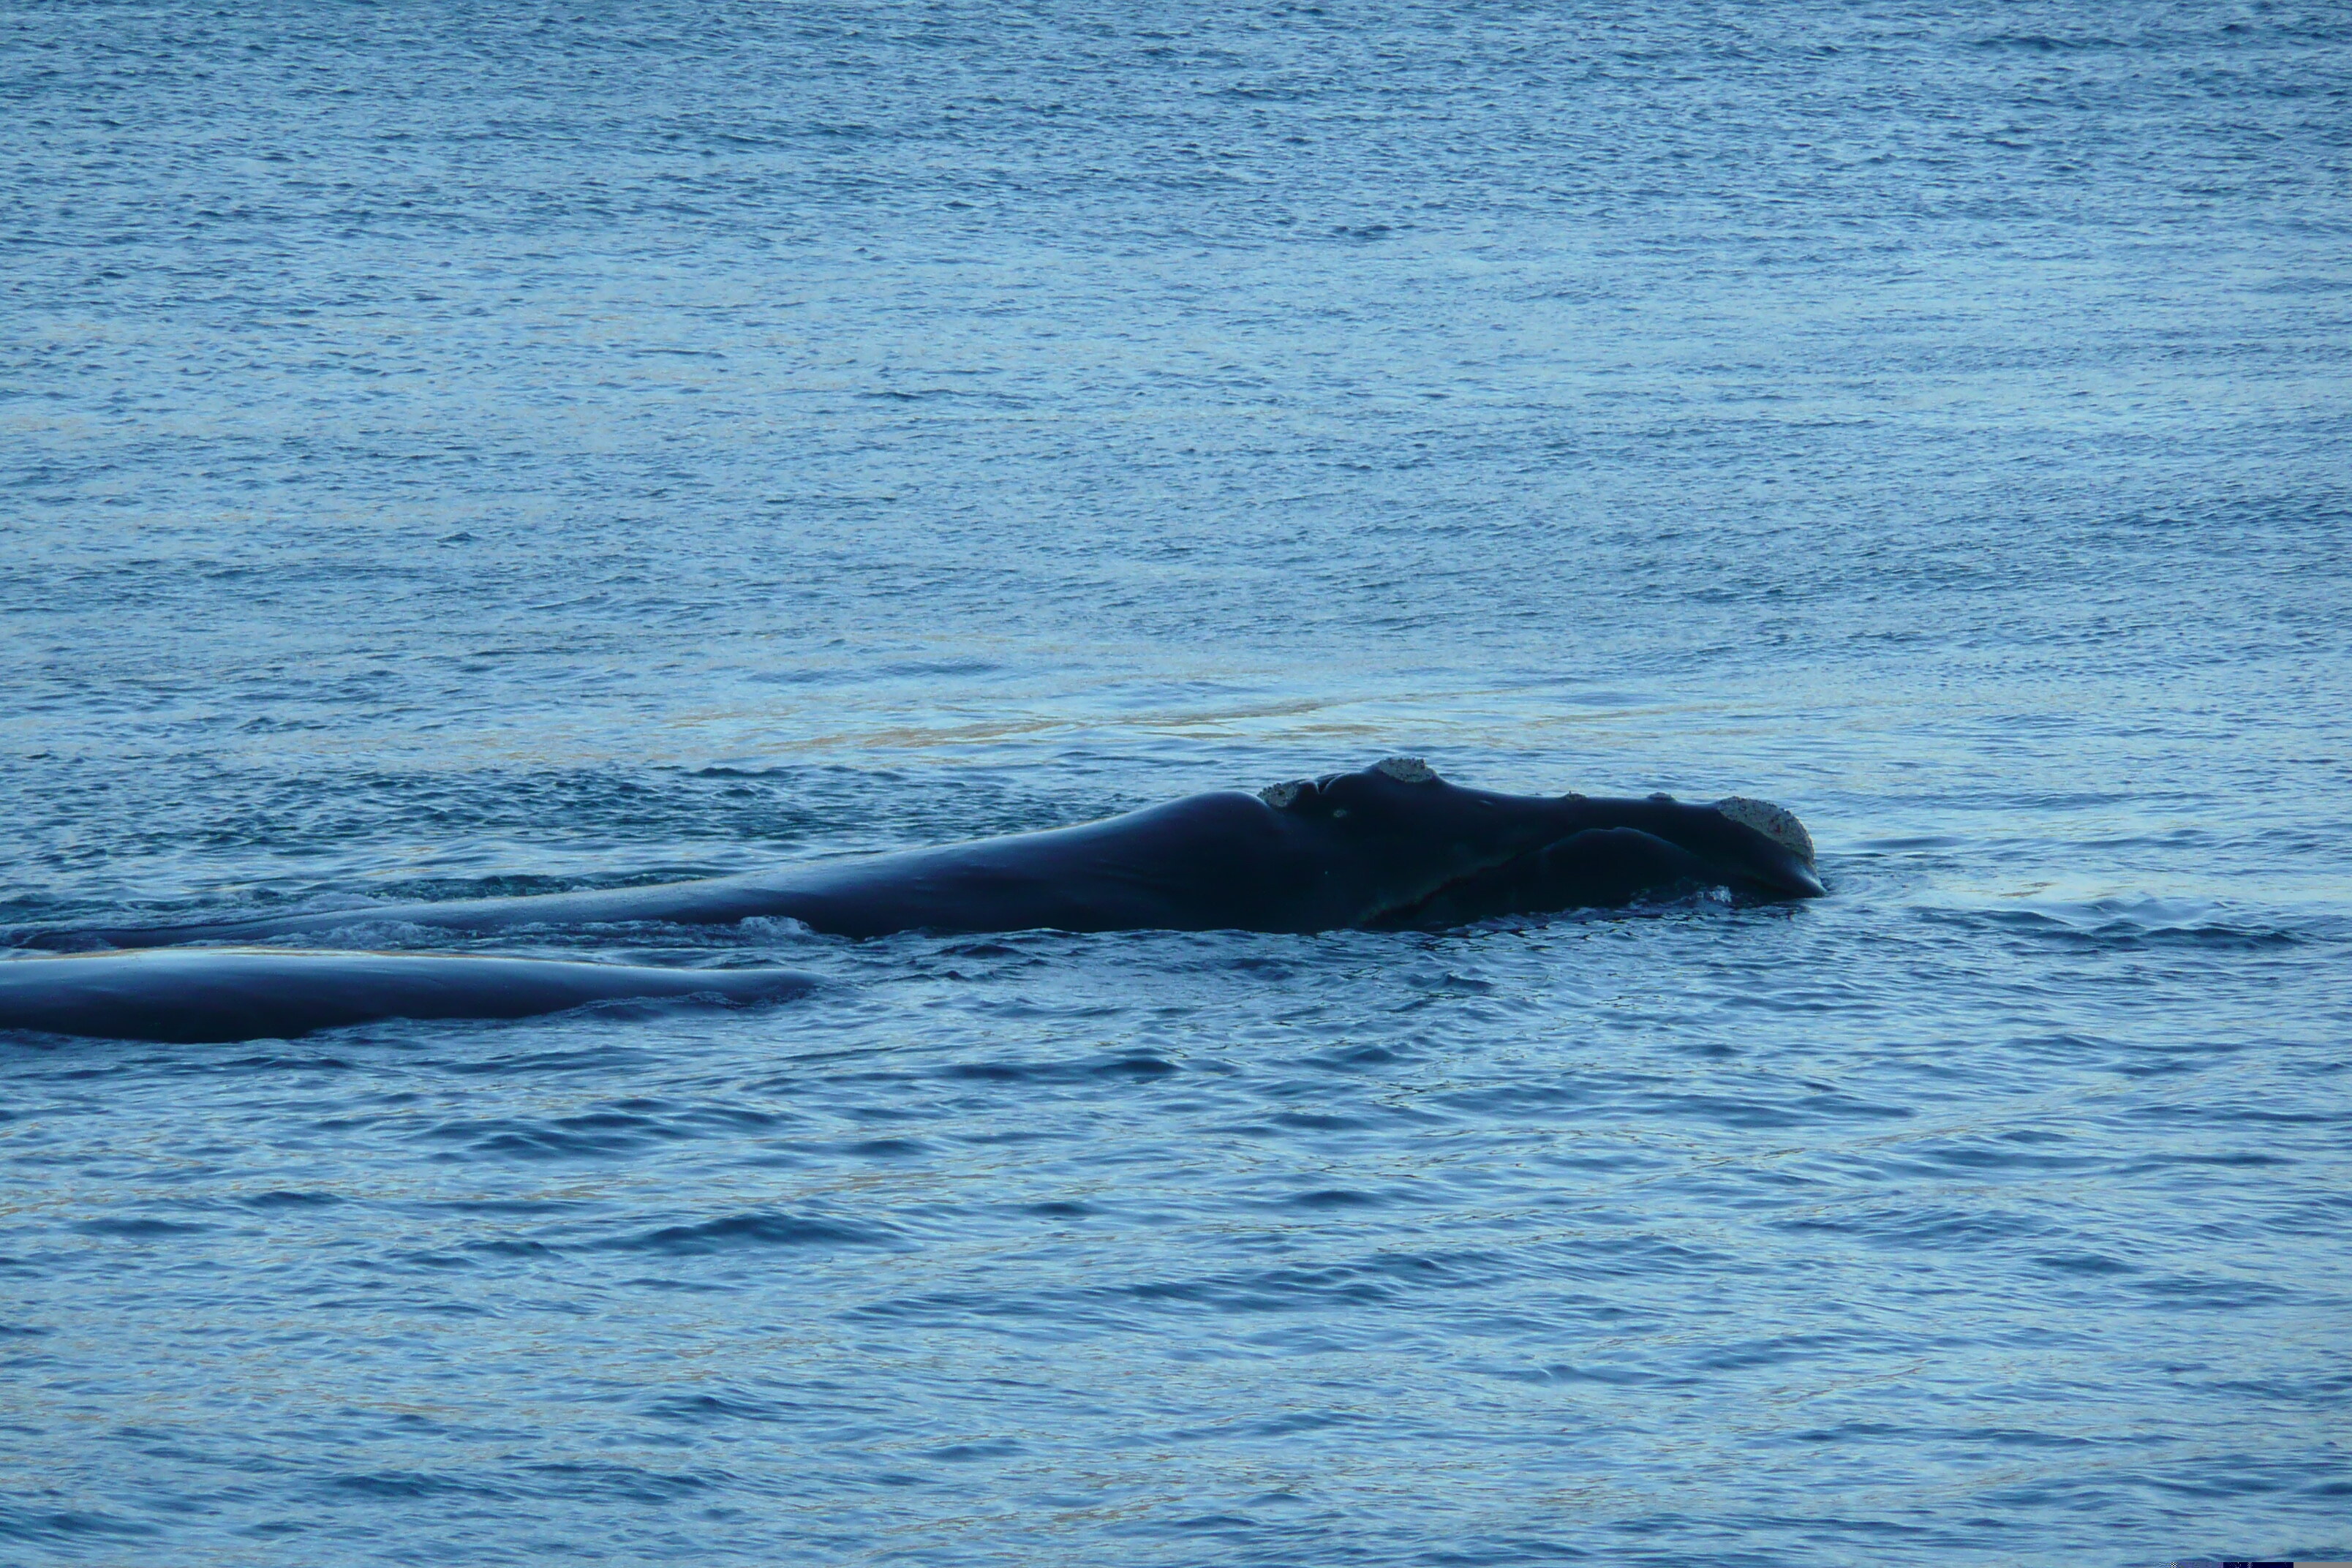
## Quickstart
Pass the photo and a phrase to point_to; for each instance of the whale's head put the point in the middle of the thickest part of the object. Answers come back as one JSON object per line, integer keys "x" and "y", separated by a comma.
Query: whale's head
{"x": 1425, "y": 852}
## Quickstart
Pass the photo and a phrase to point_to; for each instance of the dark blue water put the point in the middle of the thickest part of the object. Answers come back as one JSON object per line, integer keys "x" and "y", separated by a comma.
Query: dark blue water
{"x": 454, "y": 449}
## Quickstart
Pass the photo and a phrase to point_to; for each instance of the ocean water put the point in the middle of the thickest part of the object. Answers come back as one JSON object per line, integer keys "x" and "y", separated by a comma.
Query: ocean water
{"x": 450, "y": 448}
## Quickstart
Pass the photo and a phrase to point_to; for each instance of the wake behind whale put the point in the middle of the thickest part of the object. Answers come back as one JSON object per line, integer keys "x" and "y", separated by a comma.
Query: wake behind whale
{"x": 1392, "y": 847}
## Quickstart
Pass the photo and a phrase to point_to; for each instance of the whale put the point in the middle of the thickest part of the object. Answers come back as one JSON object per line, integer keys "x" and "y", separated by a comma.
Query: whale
{"x": 200, "y": 994}
{"x": 1389, "y": 847}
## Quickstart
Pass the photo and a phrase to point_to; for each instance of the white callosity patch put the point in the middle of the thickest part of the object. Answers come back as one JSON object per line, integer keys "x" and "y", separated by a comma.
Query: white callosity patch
{"x": 1777, "y": 823}
{"x": 1282, "y": 795}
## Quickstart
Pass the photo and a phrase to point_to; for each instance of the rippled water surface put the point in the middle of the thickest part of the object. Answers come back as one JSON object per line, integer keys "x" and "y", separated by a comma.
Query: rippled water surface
{"x": 454, "y": 449}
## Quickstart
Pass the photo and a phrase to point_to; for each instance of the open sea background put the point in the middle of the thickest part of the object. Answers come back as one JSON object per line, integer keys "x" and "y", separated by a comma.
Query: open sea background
{"x": 450, "y": 448}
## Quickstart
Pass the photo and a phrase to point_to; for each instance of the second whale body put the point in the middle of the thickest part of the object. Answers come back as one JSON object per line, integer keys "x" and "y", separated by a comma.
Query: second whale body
{"x": 1390, "y": 847}
{"x": 206, "y": 993}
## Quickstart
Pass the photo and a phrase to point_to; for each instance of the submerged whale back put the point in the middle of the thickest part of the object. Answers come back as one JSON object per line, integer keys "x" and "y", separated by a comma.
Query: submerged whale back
{"x": 1205, "y": 862}
{"x": 192, "y": 995}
